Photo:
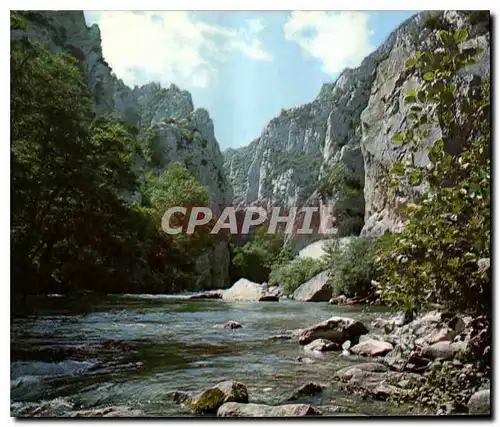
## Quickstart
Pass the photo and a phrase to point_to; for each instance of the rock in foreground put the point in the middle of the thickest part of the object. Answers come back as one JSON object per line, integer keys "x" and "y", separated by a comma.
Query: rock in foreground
{"x": 336, "y": 329}
{"x": 231, "y": 409}
{"x": 372, "y": 348}
{"x": 374, "y": 380}
{"x": 315, "y": 289}
{"x": 479, "y": 403}
{"x": 212, "y": 398}
{"x": 246, "y": 290}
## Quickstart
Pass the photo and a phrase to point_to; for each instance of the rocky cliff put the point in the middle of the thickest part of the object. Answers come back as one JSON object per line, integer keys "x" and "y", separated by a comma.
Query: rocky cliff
{"x": 351, "y": 122}
{"x": 165, "y": 117}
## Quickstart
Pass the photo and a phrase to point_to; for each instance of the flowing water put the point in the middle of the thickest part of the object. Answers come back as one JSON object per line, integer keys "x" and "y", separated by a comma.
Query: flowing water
{"x": 93, "y": 351}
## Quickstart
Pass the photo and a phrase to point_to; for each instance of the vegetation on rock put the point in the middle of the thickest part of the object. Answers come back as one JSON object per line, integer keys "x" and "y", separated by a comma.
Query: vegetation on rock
{"x": 448, "y": 229}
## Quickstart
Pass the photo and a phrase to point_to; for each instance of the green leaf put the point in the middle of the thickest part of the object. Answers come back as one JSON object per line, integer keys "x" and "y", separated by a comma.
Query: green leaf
{"x": 410, "y": 62}
{"x": 411, "y": 92}
{"x": 410, "y": 99}
{"x": 439, "y": 144}
{"x": 429, "y": 75}
{"x": 398, "y": 137}
{"x": 460, "y": 35}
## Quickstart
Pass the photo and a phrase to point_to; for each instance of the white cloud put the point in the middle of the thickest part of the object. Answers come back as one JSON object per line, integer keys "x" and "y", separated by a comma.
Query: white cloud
{"x": 172, "y": 46}
{"x": 337, "y": 39}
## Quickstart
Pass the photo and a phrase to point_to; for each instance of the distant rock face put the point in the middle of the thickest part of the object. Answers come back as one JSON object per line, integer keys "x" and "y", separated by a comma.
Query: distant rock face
{"x": 155, "y": 110}
{"x": 351, "y": 122}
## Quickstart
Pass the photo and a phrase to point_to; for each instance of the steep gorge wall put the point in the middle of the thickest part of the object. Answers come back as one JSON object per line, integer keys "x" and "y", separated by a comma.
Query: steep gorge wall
{"x": 350, "y": 122}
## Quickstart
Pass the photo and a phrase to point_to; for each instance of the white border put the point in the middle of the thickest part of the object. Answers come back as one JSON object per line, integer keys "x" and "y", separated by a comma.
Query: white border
{"x": 192, "y": 5}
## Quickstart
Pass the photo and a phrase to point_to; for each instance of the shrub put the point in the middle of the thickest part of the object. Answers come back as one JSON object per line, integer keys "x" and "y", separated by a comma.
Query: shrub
{"x": 352, "y": 266}
{"x": 293, "y": 274}
{"x": 446, "y": 383}
{"x": 434, "y": 259}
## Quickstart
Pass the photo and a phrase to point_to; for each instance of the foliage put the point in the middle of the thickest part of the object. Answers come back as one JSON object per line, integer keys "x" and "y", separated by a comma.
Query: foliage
{"x": 445, "y": 383}
{"x": 255, "y": 258}
{"x": 433, "y": 260}
{"x": 346, "y": 188}
{"x": 176, "y": 186}
{"x": 294, "y": 273}
{"x": 71, "y": 225}
{"x": 351, "y": 266}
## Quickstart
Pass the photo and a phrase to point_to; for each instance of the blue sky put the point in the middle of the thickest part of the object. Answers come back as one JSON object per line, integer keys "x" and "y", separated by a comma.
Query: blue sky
{"x": 243, "y": 67}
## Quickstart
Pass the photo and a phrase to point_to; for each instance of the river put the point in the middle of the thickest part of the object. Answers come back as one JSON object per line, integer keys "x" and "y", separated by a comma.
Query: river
{"x": 86, "y": 352}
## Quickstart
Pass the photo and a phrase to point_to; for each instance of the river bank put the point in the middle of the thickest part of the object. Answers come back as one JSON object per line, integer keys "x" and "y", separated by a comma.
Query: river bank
{"x": 90, "y": 353}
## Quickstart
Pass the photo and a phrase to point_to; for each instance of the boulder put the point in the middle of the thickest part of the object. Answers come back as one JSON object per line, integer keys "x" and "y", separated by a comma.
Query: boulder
{"x": 322, "y": 345}
{"x": 479, "y": 403}
{"x": 372, "y": 348}
{"x": 229, "y": 325}
{"x": 374, "y": 380}
{"x": 232, "y": 409}
{"x": 316, "y": 289}
{"x": 246, "y": 290}
{"x": 336, "y": 329}
{"x": 212, "y": 398}
{"x": 232, "y": 325}
{"x": 307, "y": 389}
{"x": 441, "y": 350}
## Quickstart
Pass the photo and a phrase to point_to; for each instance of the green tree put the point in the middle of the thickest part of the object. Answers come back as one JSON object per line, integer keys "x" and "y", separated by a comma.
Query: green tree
{"x": 70, "y": 225}
{"x": 434, "y": 259}
{"x": 351, "y": 266}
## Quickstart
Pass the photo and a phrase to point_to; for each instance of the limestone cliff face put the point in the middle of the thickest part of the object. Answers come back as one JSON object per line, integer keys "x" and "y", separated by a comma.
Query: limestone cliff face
{"x": 157, "y": 111}
{"x": 351, "y": 122}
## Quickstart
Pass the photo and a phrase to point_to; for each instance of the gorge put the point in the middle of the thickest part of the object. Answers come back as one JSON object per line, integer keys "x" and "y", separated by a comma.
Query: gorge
{"x": 105, "y": 318}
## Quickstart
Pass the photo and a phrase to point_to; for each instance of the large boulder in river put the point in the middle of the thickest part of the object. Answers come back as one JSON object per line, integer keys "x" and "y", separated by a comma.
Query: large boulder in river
{"x": 231, "y": 409}
{"x": 246, "y": 290}
{"x": 316, "y": 289}
{"x": 336, "y": 329}
{"x": 212, "y": 398}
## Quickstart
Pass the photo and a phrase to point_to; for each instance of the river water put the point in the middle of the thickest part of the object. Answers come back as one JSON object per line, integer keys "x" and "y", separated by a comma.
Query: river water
{"x": 88, "y": 352}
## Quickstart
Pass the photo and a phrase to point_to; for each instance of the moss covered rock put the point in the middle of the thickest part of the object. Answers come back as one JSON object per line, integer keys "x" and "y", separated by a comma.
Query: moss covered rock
{"x": 212, "y": 398}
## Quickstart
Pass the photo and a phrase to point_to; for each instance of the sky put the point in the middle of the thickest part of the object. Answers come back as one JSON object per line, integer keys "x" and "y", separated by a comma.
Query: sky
{"x": 243, "y": 67}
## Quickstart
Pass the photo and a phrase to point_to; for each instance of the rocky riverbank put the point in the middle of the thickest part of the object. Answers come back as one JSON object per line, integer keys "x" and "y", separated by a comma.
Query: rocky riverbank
{"x": 438, "y": 361}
